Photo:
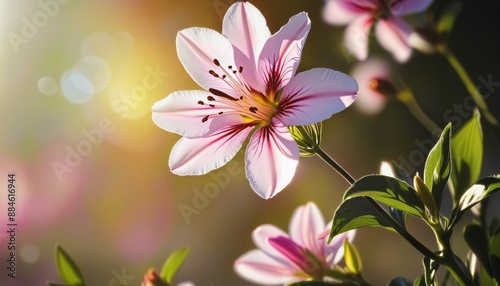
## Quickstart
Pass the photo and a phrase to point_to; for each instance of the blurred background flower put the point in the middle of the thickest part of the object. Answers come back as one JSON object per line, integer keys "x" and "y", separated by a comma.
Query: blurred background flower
{"x": 78, "y": 81}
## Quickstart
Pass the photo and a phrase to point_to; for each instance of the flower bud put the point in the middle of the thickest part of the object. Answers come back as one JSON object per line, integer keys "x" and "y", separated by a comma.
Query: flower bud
{"x": 152, "y": 278}
{"x": 424, "y": 40}
{"x": 383, "y": 87}
{"x": 426, "y": 197}
{"x": 308, "y": 138}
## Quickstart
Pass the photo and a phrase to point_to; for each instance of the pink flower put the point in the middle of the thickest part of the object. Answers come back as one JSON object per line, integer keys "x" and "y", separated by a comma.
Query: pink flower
{"x": 250, "y": 90}
{"x": 375, "y": 87}
{"x": 391, "y": 31}
{"x": 302, "y": 255}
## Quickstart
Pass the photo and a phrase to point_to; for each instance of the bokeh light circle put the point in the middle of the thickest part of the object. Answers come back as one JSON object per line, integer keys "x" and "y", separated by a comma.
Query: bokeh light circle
{"x": 47, "y": 85}
{"x": 30, "y": 253}
{"x": 76, "y": 88}
{"x": 96, "y": 70}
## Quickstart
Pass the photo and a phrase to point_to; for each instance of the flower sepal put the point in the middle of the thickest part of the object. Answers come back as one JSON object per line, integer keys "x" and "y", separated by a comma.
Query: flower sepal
{"x": 307, "y": 137}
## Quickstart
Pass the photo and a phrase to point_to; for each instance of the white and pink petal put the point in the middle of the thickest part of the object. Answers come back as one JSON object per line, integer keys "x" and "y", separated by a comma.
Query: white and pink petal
{"x": 403, "y": 7}
{"x": 246, "y": 28}
{"x": 261, "y": 236}
{"x": 189, "y": 113}
{"x": 197, "y": 49}
{"x": 257, "y": 267}
{"x": 356, "y": 36}
{"x": 334, "y": 251}
{"x": 198, "y": 156}
{"x": 306, "y": 223}
{"x": 392, "y": 34}
{"x": 281, "y": 53}
{"x": 342, "y": 12}
{"x": 315, "y": 95}
{"x": 271, "y": 159}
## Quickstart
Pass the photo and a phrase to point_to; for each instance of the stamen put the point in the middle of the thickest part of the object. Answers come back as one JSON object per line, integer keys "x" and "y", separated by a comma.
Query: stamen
{"x": 221, "y": 94}
{"x": 201, "y": 102}
{"x": 220, "y": 113}
{"x": 213, "y": 73}
{"x": 253, "y": 109}
{"x": 241, "y": 69}
{"x": 230, "y": 67}
{"x": 204, "y": 119}
{"x": 211, "y": 105}
{"x": 210, "y": 98}
{"x": 216, "y": 62}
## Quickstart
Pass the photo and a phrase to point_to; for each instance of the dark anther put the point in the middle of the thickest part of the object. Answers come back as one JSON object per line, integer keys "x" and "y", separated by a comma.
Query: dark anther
{"x": 241, "y": 69}
{"x": 216, "y": 62}
{"x": 223, "y": 76}
{"x": 210, "y": 98}
{"x": 221, "y": 94}
{"x": 204, "y": 119}
{"x": 211, "y": 105}
{"x": 230, "y": 67}
{"x": 201, "y": 102}
{"x": 220, "y": 113}
{"x": 213, "y": 73}
{"x": 234, "y": 72}
{"x": 241, "y": 97}
{"x": 253, "y": 109}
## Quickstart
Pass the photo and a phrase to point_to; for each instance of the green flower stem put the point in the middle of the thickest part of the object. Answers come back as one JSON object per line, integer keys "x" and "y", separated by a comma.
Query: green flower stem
{"x": 448, "y": 259}
{"x": 399, "y": 229}
{"x": 406, "y": 96}
{"x": 446, "y": 256}
{"x": 340, "y": 275}
{"x": 471, "y": 87}
{"x": 334, "y": 165}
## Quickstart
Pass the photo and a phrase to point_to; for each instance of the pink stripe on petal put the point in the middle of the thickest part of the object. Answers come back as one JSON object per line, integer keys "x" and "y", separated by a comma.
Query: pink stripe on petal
{"x": 281, "y": 54}
{"x": 356, "y": 36}
{"x": 314, "y": 95}
{"x": 291, "y": 250}
{"x": 199, "y": 156}
{"x": 261, "y": 237}
{"x": 182, "y": 112}
{"x": 246, "y": 28}
{"x": 306, "y": 223}
{"x": 259, "y": 268}
{"x": 392, "y": 34}
{"x": 271, "y": 159}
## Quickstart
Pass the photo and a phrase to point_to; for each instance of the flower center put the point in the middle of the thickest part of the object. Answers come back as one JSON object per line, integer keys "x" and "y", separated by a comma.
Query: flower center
{"x": 252, "y": 105}
{"x": 298, "y": 255}
{"x": 383, "y": 11}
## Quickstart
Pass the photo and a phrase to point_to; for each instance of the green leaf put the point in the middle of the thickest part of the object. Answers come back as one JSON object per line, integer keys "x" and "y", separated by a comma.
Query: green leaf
{"x": 67, "y": 268}
{"x": 399, "y": 281}
{"x": 478, "y": 192}
{"x": 495, "y": 255}
{"x": 477, "y": 240}
{"x": 172, "y": 264}
{"x": 430, "y": 270}
{"x": 467, "y": 156}
{"x": 352, "y": 258}
{"x": 390, "y": 191}
{"x": 355, "y": 213}
{"x": 420, "y": 281}
{"x": 447, "y": 19}
{"x": 438, "y": 167}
